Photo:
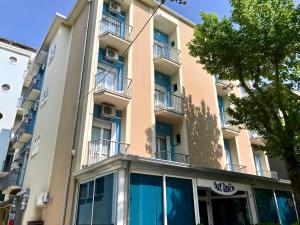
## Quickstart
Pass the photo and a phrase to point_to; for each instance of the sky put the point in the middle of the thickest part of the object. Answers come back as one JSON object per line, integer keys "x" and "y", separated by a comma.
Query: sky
{"x": 27, "y": 21}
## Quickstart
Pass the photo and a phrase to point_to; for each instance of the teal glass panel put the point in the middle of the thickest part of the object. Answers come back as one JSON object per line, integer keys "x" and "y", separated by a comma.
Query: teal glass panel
{"x": 85, "y": 203}
{"x": 180, "y": 201}
{"x": 286, "y": 207}
{"x": 266, "y": 206}
{"x": 103, "y": 200}
{"x": 146, "y": 204}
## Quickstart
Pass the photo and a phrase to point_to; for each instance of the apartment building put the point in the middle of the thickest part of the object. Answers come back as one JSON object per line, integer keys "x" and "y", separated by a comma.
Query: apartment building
{"x": 131, "y": 130}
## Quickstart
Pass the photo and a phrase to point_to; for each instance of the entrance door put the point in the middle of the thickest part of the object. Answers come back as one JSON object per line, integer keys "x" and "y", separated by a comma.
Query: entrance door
{"x": 229, "y": 211}
{"x": 100, "y": 144}
{"x": 204, "y": 212}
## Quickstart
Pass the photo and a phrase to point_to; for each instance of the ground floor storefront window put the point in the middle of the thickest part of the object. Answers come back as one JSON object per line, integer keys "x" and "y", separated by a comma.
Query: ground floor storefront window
{"x": 147, "y": 204}
{"x": 275, "y": 206}
{"x": 96, "y": 201}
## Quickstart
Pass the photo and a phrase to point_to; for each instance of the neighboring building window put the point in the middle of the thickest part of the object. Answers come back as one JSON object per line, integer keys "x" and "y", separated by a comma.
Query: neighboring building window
{"x": 45, "y": 96}
{"x": 13, "y": 59}
{"x": 35, "y": 145}
{"x": 5, "y": 87}
{"x": 97, "y": 196}
{"x": 52, "y": 54}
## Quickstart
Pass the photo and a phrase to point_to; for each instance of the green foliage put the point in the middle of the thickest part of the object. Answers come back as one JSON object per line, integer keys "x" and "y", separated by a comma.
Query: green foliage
{"x": 258, "y": 46}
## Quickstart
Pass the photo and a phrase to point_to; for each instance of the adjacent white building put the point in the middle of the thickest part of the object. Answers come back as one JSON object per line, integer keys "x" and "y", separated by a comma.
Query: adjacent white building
{"x": 14, "y": 60}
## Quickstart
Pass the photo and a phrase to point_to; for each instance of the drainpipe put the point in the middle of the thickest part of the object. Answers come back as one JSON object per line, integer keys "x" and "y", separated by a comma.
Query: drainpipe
{"x": 76, "y": 115}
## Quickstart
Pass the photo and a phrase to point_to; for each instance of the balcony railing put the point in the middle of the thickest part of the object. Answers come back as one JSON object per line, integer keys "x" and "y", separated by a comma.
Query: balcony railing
{"x": 225, "y": 83}
{"x": 168, "y": 101}
{"x": 236, "y": 168}
{"x": 110, "y": 24}
{"x": 102, "y": 149}
{"x": 114, "y": 83}
{"x": 226, "y": 125}
{"x": 12, "y": 178}
{"x": 167, "y": 52}
{"x": 267, "y": 173}
{"x": 24, "y": 127}
{"x": 172, "y": 156}
{"x": 33, "y": 85}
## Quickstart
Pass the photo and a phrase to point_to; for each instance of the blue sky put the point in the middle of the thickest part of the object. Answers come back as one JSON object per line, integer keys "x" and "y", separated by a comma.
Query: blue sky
{"x": 27, "y": 21}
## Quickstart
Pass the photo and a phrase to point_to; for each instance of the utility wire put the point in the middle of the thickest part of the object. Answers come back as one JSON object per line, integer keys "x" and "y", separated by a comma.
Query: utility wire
{"x": 126, "y": 50}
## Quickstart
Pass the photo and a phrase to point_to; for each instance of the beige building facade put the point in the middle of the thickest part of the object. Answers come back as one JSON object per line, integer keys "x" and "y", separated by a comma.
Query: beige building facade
{"x": 132, "y": 130}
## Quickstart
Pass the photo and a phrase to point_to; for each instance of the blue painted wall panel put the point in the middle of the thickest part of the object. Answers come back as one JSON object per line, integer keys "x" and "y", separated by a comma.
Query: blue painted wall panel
{"x": 146, "y": 200}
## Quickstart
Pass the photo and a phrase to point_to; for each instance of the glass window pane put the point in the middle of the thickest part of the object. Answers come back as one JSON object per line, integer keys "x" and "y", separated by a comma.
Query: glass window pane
{"x": 103, "y": 201}
{"x": 266, "y": 206}
{"x": 85, "y": 202}
{"x": 180, "y": 201}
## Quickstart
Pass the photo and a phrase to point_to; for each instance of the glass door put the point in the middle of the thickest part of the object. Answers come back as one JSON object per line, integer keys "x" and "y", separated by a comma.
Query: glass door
{"x": 100, "y": 144}
{"x": 228, "y": 155}
{"x": 107, "y": 77}
{"x": 258, "y": 163}
{"x": 161, "y": 147}
{"x": 160, "y": 96}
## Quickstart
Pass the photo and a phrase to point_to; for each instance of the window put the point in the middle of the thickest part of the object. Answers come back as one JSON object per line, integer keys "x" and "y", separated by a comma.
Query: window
{"x": 178, "y": 139}
{"x": 5, "y": 87}
{"x": 35, "y": 146}
{"x": 99, "y": 199}
{"x": 45, "y": 96}
{"x": 175, "y": 88}
{"x": 13, "y": 59}
{"x": 1, "y": 115}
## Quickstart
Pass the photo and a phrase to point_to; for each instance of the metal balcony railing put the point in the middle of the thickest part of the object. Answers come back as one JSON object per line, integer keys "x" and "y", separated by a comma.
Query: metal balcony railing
{"x": 168, "y": 101}
{"x": 172, "y": 156}
{"x": 166, "y": 51}
{"x": 33, "y": 85}
{"x": 228, "y": 126}
{"x": 12, "y": 178}
{"x": 24, "y": 127}
{"x": 110, "y": 24}
{"x": 102, "y": 149}
{"x": 114, "y": 83}
{"x": 267, "y": 173}
{"x": 236, "y": 168}
{"x": 225, "y": 83}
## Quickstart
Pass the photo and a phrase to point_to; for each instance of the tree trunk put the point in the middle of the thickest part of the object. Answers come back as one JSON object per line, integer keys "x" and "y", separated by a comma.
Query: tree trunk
{"x": 296, "y": 189}
{"x": 294, "y": 175}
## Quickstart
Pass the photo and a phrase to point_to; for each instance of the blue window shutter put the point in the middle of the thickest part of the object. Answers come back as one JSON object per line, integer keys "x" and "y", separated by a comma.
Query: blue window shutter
{"x": 146, "y": 204}
{"x": 180, "y": 201}
{"x": 97, "y": 111}
{"x": 228, "y": 153}
{"x": 221, "y": 110}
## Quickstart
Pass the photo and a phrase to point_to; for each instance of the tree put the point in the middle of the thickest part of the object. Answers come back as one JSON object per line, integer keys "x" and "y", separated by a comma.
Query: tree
{"x": 259, "y": 45}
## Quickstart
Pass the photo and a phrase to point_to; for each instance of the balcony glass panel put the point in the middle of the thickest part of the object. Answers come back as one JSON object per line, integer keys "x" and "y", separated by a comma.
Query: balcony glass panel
{"x": 168, "y": 101}
{"x": 161, "y": 50}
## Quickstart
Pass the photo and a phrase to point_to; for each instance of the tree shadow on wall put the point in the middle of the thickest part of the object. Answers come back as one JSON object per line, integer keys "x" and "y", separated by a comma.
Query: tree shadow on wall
{"x": 148, "y": 146}
{"x": 203, "y": 135}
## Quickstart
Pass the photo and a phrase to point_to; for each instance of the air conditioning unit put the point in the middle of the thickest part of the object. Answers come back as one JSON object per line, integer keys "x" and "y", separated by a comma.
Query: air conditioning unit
{"x": 108, "y": 111}
{"x": 112, "y": 55}
{"x": 114, "y": 7}
{"x": 42, "y": 199}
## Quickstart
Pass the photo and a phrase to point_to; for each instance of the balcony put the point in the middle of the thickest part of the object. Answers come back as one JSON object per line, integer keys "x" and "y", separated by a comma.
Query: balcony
{"x": 102, "y": 149}
{"x": 166, "y": 58}
{"x": 236, "y": 168}
{"x": 172, "y": 157}
{"x": 31, "y": 95}
{"x": 113, "y": 89}
{"x": 22, "y": 135}
{"x": 223, "y": 86}
{"x": 115, "y": 33}
{"x": 12, "y": 181}
{"x": 229, "y": 131}
{"x": 267, "y": 173}
{"x": 168, "y": 107}
{"x": 255, "y": 139}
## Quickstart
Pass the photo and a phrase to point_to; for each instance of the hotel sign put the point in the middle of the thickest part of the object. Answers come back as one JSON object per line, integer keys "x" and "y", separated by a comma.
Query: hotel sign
{"x": 223, "y": 188}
